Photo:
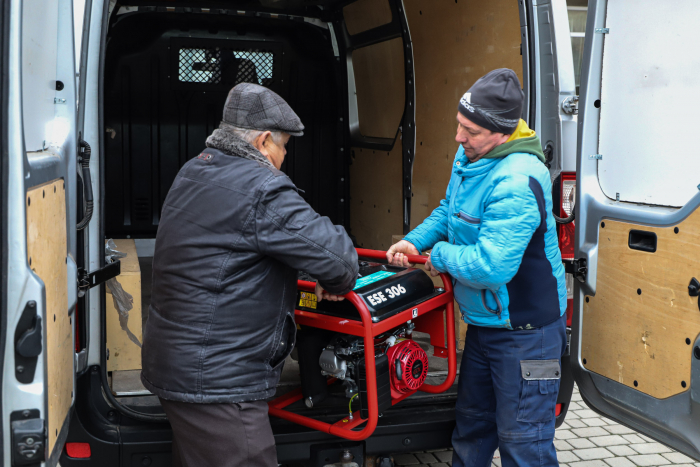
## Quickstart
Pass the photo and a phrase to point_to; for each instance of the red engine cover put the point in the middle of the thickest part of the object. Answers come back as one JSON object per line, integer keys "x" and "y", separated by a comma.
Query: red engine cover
{"x": 408, "y": 365}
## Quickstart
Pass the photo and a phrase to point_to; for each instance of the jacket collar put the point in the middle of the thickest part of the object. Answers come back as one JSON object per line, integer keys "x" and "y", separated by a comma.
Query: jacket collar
{"x": 463, "y": 168}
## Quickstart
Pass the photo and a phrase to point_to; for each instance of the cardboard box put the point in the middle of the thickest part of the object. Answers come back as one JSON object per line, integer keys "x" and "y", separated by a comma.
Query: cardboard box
{"x": 124, "y": 353}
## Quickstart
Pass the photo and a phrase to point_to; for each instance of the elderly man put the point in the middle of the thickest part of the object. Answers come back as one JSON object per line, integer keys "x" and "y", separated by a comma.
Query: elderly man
{"x": 232, "y": 235}
{"x": 494, "y": 233}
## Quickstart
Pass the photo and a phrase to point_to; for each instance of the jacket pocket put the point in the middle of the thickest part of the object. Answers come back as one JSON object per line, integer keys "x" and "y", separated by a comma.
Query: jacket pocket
{"x": 461, "y": 215}
{"x": 539, "y": 390}
{"x": 286, "y": 342}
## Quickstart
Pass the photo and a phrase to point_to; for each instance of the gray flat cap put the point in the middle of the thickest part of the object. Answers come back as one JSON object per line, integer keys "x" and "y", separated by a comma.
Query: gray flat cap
{"x": 255, "y": 107}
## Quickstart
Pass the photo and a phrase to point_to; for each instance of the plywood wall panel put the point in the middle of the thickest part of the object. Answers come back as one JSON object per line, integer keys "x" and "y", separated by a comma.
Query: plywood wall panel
{"x": 639, "y": 327}
{"x": 375, "y": 202}
{"x": 364, "y": 15}
{"x": 380, "y": 84}
{"x": 47, "y": 253}
{"x": 454, "y": 44}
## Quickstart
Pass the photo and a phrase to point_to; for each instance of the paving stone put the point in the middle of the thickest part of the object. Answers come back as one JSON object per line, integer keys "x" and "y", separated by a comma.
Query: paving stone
{"x": 572, "y": 416}
{"x": 623, "y": 450}
{"x": 405, "y": 459}
{"x": 677, "y": 458}
{"x": 587, "y": 413}
{"x": 578, "y": 423}
{"x": 590, "y": 431}
{"x": 649, "y": 460}
{"x": 609, "y": 440}
{"x": 564, "y": 434}
{"x": 425, "y": 457}
{"x": 567, "y": 456}
{"x": 562, "y": 445}
{"x": 650, "y": 448}
{"x": 594, "y": 421}
{"x": 646, "y": 438}
{"x": 591, "y": 463}
{"x": 581, "y": 443}
{"x": 439, "y": 464}
{"x": 619, "y": 462}
{"x": 443, "y": 456}
{"x": 593, "y": 453}
{"x": 496, "y": 461}
{"x": 633, "y": 439}
{"x": 573, "y": 405}
{"x": 619, "y": 429}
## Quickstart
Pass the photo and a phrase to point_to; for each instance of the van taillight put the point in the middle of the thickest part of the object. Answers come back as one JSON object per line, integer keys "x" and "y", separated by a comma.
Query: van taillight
{"x": 566, "y": 234}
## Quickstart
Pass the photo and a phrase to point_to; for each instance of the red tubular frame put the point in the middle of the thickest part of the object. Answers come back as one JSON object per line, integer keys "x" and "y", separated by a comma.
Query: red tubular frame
{"x": 368, "y": 330}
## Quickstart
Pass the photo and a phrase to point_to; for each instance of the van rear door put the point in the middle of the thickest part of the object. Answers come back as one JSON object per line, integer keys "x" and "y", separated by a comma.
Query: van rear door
{"x": 39, "y": 186}
{"x": 635, "y": 348}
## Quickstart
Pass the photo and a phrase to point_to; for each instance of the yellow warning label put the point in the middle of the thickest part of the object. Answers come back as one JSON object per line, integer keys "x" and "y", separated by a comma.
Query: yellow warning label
{"x": 308, "y": 300}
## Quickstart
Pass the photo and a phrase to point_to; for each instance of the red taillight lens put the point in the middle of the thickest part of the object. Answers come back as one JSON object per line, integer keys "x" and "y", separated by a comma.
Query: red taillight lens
{"x": 78, "y": 450}
{"x": 557, "y": 411}
{"x": 566, "y": 234}
{"x": 566, "y": 231}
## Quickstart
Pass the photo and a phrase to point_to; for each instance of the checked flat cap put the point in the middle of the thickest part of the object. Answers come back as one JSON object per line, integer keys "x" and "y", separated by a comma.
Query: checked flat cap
{"x": 255, "y": 107}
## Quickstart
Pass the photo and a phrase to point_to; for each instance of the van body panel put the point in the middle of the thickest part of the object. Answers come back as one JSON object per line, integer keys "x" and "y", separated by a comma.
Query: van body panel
{"x": 40, "y": 127}
{"x": 636, "y": 325}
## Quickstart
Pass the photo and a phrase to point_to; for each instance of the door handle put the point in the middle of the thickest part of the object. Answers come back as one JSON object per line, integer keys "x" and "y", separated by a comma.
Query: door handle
{"x": 694, "y": 289}
{"x": 29, "y": 344}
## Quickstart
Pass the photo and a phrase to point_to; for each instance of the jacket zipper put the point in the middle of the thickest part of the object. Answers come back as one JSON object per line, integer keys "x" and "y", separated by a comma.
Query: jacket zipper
{"x": 467, "y": 218}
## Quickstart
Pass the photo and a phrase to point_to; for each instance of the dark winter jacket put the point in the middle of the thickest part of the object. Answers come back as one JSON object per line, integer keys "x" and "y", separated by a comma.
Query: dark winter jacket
{"x": 233, "y": 233}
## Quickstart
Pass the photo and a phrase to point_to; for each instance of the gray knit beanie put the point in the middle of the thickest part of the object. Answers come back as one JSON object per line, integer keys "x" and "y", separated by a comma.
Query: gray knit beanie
{"x": 494, "y": 102}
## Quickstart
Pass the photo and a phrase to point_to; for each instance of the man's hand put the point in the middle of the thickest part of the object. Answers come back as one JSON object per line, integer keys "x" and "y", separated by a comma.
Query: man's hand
{"x": 321, "y": 294}
{"x": 430, "y": 269}
{"x": 396, "y": 254}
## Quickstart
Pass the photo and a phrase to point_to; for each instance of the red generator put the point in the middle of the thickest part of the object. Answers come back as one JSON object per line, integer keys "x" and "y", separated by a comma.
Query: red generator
{"x": 362, "y": 347}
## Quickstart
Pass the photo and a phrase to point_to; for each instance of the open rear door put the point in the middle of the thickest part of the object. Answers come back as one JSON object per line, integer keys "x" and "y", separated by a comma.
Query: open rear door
{"x": 636, "y": 341}
{"x": 39, "y": 228}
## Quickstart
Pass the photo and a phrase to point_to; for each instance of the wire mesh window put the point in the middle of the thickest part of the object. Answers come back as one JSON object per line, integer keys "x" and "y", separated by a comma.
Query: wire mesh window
{"x": 217, "y": 65}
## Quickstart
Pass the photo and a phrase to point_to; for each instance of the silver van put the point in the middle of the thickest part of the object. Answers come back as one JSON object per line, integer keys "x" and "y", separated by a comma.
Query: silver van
{"x": 104, "y": 100}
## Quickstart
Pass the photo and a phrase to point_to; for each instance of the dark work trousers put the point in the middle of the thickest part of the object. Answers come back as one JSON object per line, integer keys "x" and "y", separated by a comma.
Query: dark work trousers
{"x": 221, "y": 435}
{"x": 498, "y": 406}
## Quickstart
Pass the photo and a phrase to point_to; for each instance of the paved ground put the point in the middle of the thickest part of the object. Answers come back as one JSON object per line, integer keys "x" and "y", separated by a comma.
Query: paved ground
{"x": 584, "y": 440}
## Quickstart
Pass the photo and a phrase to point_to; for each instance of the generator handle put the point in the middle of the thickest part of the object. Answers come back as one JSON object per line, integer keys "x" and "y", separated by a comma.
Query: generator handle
{"x": 381, "y": 255}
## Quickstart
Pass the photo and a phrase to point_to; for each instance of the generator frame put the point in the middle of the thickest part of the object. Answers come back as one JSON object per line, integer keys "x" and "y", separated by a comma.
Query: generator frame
{"x": 434, "y": 316}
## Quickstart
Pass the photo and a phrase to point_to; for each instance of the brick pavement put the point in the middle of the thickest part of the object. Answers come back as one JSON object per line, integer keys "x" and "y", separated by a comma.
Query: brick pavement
{"x": 584, "y": 440}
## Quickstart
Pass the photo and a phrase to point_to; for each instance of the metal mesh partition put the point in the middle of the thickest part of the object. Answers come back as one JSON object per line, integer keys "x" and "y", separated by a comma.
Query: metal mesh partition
{"x": 217, "y": 65}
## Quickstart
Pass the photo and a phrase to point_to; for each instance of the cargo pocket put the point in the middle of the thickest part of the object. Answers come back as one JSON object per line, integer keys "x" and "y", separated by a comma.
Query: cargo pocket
{"x": 540, "y": 387}
{"x": 286, "y": 342}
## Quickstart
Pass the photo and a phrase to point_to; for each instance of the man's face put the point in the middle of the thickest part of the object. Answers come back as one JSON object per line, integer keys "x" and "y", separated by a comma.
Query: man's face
{"x": 477, "y": 141}
{"x": 275, "y": 153}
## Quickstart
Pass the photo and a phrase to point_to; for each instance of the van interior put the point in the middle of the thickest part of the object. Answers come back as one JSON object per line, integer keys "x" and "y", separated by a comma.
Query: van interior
{"x": 375, "y": 82}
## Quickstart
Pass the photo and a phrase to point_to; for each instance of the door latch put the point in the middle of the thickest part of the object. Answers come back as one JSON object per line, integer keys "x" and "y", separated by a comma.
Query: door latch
{"x": 28, "y": 343}
{"x": 28, "y": 438}
{"x": 578, "y": 268}
{"x": 570, "y": 105}
{"x": 88, "y": 280}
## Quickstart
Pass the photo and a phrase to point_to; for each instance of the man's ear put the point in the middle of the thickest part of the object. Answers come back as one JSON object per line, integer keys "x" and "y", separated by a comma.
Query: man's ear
{"x": 262, "y": 141}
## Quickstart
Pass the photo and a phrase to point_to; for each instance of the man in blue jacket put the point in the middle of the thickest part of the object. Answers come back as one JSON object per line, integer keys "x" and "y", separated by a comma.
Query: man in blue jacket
{"x": 494, "y": 233}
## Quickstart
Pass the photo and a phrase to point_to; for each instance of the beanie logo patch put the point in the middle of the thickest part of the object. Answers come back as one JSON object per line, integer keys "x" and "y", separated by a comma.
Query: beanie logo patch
{"x": 466, "y": 101}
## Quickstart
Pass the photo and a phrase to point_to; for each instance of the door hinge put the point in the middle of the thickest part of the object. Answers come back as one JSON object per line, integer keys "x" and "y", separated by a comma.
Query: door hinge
{"x": 28, "y": 437}
{"x": 87, "y": 280}
{"x": 577, "y": 268}
{"x": 570, "y": 105}
{"x": 602, "y": 30}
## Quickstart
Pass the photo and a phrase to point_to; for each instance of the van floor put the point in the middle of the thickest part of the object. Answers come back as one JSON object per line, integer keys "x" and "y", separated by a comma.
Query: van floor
{"x": 127, "y": 387}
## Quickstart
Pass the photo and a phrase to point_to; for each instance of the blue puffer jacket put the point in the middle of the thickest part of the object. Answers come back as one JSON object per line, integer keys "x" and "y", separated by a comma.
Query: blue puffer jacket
{"x": 494, "y": 233}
